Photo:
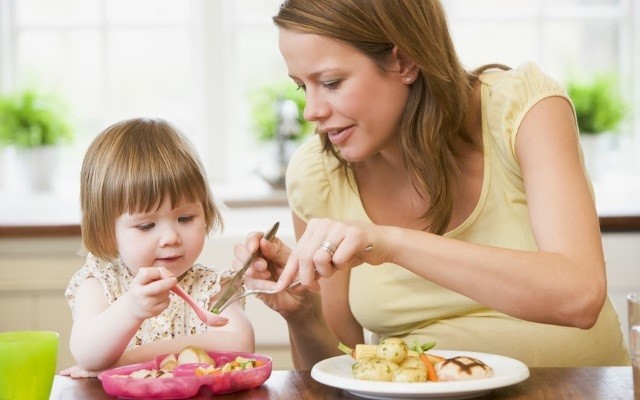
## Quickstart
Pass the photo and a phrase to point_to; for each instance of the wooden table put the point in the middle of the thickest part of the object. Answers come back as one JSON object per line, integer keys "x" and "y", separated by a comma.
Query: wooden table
{"x": 544, "y": 383}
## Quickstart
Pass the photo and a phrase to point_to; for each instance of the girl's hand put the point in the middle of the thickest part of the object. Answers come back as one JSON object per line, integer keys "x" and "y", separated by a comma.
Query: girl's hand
{"x": 77, "y": 372}
{"x": 149, "y": 292}
{"x": 327, "y": 246}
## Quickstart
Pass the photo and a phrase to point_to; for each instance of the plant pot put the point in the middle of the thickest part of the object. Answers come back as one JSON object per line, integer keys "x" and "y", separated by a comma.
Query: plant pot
{"x": 37, "y": 167}
{"x": 272, "y": 169}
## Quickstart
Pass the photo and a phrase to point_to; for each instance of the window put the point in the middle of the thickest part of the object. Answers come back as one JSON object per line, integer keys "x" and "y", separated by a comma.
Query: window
{"x": 567, "y": 38}
{"x": 108, "y": 60}
{"x": 194, "y": 62}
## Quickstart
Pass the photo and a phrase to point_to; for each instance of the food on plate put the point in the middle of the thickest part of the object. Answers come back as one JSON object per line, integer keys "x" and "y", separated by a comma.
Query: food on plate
{"x": 169, "y": 363}
{"x": 238, "y": 364}
{"x": 462, "y": 368}
{"x": 193, "y": 354}
{"x": 392, "y": 349}
{"x": 150, "y": 373}
{"x": 409, "y": 375}
{"x": 394, "y": 361}
{"x": 374, "y": 369}
{"x": 188, "y": 355}
{"x": 412, "y": 362}
{"x": 422, "y": 355}
{"x": 183, "y": 382}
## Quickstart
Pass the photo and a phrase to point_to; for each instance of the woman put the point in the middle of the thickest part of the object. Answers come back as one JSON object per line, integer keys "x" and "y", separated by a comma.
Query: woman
{"x": 461, "y": 197}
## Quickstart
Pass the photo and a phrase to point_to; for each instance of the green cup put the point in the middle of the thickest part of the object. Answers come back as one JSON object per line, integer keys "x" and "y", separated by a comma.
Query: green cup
{"x": 27, "y": 364}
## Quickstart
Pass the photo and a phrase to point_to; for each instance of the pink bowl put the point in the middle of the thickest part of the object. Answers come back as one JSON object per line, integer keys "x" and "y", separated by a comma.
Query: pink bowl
{"x": 184, "y": 383}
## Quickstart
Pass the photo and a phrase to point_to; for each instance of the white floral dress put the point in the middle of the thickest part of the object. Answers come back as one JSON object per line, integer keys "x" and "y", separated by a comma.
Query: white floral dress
{"x": 178, "y": 319}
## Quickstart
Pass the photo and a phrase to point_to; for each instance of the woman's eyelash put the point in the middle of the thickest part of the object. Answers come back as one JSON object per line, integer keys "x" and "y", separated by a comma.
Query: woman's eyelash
{"x": 332, "y": 84}
{"x": 329, "y": 85}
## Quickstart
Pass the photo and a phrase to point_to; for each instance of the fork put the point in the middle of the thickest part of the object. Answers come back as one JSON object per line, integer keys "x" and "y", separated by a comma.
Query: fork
{"x": 250, "y": 292}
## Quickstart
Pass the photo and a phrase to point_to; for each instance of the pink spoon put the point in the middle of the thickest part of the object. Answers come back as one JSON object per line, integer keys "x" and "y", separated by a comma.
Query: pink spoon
{"x": 205, "y": 316}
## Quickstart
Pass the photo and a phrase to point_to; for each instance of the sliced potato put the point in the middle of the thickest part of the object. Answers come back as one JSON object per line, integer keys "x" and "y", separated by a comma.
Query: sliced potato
{"x": 169, "y": 363}
{"x": 194, "y": 354}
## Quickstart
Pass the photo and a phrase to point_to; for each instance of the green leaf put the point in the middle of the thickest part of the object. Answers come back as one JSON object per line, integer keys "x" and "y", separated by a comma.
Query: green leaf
{"x": 32, "y": 119}
{"x": 264, "y": 101}
{"x": 598, "y": 103}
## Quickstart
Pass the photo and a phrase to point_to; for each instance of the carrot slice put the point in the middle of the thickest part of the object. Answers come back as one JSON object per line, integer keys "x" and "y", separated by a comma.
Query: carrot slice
{"x": 431, "y": 372}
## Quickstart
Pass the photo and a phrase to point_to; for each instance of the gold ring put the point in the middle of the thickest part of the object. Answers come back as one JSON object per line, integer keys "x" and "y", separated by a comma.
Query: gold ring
{"x": 328, "y": 247}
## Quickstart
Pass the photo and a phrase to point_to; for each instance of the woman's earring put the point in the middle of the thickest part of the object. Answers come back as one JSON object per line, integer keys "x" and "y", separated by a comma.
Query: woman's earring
{"x": 408, "y": 79}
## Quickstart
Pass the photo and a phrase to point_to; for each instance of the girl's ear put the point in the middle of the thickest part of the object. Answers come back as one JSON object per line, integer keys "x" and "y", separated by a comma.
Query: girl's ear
{"x": 406, "y": 67}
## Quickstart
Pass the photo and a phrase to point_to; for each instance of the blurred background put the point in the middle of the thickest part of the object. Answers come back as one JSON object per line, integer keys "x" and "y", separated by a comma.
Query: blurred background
{"x": 199, "y": 64}
{"x": 73, "y": 67}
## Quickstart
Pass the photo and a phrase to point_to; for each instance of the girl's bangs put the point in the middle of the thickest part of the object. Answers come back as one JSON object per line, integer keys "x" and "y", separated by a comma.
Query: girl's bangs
{"x": 144, "y": 192}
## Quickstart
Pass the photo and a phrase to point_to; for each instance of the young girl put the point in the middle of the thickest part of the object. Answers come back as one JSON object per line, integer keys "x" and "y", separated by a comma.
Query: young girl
{"x": 146, "y": 210}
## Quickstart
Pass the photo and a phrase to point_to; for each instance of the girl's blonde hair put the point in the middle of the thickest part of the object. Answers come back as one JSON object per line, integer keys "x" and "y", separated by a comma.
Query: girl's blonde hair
{"x": 130, "y": 167}
{"x": 435, "y": 113}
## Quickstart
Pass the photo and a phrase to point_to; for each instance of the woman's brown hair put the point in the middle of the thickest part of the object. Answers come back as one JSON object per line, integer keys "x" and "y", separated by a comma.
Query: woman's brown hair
{"x": 130, "y": 167}
{"x": 435, "y": 113}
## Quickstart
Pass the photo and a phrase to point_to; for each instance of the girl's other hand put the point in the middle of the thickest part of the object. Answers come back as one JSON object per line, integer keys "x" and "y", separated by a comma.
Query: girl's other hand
{"x": 149, "y": 292}
{"x": 78, "y": 372}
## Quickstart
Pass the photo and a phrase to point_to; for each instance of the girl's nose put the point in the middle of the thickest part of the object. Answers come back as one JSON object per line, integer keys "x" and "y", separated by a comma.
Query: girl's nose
{"x": 170, "y": 237}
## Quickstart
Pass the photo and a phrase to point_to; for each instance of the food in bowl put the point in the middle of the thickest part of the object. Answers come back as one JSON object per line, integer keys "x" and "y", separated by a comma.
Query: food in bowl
{"x": 188, "y": 355}
{"x": 180, "y": 381}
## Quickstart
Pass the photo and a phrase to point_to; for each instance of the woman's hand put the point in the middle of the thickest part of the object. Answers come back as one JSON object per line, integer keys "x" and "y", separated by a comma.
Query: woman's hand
{"x": 327, "y": 246}
{"x": 265, "y": 270}
{"x": 149, "y": 292}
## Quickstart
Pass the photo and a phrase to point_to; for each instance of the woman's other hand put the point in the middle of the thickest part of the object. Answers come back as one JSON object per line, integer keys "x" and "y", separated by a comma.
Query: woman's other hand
{"x": 328, "y": 245}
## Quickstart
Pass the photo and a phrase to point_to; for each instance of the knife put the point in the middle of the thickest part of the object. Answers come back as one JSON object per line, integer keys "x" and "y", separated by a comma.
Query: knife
{"x": 236, "y": 281}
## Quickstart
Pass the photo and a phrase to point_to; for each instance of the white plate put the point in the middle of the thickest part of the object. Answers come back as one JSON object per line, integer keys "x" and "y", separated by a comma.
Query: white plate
{"x": 336, "y": 372}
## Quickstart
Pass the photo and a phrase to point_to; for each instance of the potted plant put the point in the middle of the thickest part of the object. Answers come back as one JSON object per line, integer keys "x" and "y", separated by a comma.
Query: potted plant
{"x": 277, "y": 114}
{"x": 599, "y": 111}
{"x": 34, "y": 124}
{"x": 264, "y": 109}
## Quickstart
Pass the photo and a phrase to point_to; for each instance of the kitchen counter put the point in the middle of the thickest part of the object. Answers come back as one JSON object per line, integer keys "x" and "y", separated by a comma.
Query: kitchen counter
{"x": 56, "y": 214}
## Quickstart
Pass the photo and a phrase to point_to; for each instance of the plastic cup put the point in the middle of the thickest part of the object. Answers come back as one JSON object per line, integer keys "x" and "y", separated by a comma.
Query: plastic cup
{"x": 633, "y": 308}
{"x": 27, "y": 364}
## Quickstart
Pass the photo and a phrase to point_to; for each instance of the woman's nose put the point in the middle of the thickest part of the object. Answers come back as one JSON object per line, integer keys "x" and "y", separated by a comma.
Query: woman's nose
{"x": 315, "y": 107}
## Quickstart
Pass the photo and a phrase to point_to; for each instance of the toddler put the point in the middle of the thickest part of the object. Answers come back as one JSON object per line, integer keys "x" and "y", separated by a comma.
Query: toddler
{"x": 146, "y": 211}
